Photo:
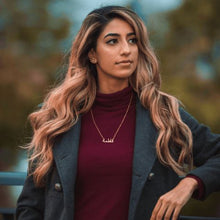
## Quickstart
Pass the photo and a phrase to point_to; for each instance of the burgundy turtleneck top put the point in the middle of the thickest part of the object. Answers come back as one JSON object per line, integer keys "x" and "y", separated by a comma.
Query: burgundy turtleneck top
{"x": 105, "y": 169}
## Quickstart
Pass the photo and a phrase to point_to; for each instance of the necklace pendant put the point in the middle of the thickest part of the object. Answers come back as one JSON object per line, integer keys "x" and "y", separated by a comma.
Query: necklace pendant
{"x": 108, "y": 140}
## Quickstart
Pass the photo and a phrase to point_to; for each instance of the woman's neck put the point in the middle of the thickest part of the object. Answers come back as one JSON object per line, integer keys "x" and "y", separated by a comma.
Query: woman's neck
{"x": 117, "y": 101}
{"x": 112, "y": 87}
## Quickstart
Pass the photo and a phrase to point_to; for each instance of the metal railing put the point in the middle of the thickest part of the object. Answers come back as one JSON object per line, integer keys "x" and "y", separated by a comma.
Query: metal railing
{"x": 18, "y": 178}
{"x": 11, "y": 179}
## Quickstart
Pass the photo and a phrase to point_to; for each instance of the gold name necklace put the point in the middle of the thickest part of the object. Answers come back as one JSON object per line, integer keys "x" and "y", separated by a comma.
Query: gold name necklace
{"x": 111, "y": 140}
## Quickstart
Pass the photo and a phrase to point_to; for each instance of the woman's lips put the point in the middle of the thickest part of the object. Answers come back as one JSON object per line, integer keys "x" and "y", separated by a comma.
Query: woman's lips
{"x": 124, "y": 62}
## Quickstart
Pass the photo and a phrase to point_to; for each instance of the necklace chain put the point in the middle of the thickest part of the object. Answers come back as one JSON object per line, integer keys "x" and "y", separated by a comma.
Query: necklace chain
{"x": 111, "y": 140}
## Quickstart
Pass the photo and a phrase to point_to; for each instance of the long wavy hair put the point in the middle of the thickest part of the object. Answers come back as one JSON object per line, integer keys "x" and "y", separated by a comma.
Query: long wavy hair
{"x": 75, "y": 95}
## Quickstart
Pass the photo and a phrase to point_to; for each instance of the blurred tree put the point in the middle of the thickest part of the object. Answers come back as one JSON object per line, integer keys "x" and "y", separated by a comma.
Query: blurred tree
{"x": 190, "y": 59}
{"x": 30, "y": 38}
{"x": 31, "y": 25}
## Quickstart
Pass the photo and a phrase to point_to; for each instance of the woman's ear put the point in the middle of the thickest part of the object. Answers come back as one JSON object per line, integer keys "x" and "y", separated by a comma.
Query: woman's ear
{"x": 92, "y": 56}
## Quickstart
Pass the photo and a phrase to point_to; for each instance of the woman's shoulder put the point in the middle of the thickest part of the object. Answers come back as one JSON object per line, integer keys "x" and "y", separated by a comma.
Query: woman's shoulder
{"x": 195, "y": 126}
{"x": 187, "y": 118}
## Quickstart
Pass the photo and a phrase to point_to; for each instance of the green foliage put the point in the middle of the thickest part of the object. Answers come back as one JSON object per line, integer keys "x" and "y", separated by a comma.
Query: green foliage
{"x": 30, "y": 41}
{"x": 194, "y": 34}
{"x": 32, "y": 26}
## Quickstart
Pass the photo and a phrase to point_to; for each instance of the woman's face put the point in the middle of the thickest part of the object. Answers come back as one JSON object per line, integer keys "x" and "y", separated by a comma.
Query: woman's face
{"x": 116, "y": 53}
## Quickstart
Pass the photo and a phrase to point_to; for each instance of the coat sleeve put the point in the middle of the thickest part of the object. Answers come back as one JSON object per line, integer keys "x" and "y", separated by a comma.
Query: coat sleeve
{"x": 30, "y": 204}
{"x": 206, "y": 153}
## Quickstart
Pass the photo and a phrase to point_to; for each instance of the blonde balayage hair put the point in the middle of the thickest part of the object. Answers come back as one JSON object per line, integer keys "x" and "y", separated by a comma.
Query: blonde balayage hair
{"x": 76, "y": 94}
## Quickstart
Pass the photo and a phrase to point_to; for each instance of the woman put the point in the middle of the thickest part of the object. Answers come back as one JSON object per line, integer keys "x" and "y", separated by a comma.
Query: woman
{"x": 107, "y": 143}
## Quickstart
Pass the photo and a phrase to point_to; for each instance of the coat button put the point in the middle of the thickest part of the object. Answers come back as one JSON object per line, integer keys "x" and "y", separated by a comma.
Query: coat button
{"x": 150, "y": 176}
{"x": 58, "y": 187}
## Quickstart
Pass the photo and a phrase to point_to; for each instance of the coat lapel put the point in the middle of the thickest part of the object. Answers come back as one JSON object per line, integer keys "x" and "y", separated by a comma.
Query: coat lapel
{"x": 65, "y": 153}
{"x": 144, "y": 155}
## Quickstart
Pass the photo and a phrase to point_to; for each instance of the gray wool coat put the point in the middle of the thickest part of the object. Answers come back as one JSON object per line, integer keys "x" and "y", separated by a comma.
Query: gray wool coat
{"x": 150, "y": 179}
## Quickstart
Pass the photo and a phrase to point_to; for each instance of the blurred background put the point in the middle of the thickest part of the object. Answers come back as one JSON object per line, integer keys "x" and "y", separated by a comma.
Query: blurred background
{"x": 36, "y": 36}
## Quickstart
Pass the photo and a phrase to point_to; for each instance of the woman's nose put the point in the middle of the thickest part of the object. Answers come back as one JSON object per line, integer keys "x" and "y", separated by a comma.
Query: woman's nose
{"x": 125, "y": 48}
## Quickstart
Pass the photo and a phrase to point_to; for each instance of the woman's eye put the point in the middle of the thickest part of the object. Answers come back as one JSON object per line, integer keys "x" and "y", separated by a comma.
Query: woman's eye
{"x": 112, "y": 41}
{"x": 133, "y": 40}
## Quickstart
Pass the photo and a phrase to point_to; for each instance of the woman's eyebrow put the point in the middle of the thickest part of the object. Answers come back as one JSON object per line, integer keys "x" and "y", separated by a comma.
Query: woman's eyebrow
{"x": 117, "y": 35}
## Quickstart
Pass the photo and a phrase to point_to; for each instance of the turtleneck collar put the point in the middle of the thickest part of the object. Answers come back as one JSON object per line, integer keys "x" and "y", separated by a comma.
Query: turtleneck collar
{"x": 114, "y": 101}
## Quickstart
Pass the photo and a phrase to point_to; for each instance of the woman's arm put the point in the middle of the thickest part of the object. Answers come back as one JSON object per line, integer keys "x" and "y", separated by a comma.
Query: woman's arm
{"x": 30, "y": 204}
{"x": 206, "y": 155}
